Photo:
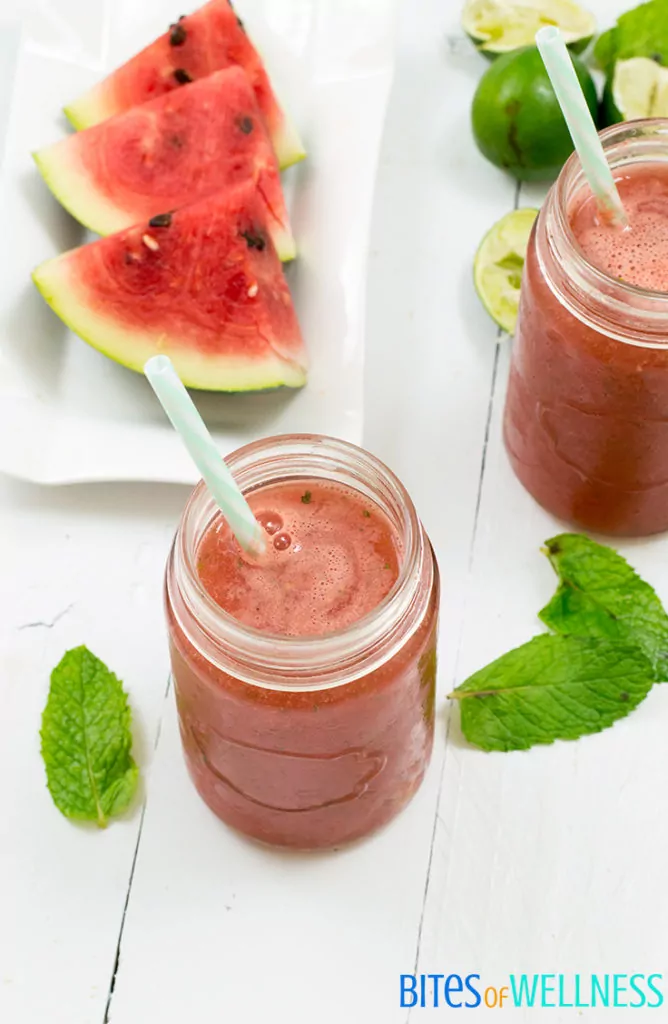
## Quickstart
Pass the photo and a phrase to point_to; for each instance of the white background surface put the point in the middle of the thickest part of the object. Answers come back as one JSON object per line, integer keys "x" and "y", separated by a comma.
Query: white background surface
{"x": 551, "y": 860}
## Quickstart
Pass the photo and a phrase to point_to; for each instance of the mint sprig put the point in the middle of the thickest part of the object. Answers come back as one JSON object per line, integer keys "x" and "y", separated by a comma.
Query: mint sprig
{"x": 610, "y": 647}
{"x": 553, "y": 688}
{"x": 86, "y": 740}
{"x": 600, "y": 595}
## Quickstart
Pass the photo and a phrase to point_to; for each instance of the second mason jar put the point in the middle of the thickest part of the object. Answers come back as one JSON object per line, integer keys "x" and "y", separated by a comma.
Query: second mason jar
{"x": 586, "y": 420}
{"x": 305, "y": 685}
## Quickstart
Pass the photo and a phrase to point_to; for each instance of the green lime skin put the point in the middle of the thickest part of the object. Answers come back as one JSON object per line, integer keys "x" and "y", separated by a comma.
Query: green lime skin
{"x": 609, "y": 112}
{"x": 517, "y": 122}
{"x": 579, "y": 46}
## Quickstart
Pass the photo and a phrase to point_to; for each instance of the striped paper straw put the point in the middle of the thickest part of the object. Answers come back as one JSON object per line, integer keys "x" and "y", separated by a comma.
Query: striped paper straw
{"x": 580, "y": 123}
{"x": 190, "y": 427}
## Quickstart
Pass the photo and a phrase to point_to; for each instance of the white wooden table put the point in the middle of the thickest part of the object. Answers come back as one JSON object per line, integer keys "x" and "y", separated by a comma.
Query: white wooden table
{"x": 552, "y": 860}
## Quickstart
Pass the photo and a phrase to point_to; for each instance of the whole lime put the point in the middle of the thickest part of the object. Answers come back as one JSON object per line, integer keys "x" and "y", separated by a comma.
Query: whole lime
{"x": 517, "y": 121}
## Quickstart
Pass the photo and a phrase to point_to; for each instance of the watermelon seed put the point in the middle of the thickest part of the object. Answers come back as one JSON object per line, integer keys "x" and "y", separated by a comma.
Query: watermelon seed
{"x": 177, "y": 34}
{"x": 253, "y": 241}
{"x": 246, "y": 125}
{"x": 150, "y": 243}
{"x": 161, "y": 220}
{"x": 182, "y": 76}
{"x": 253, "y": 290}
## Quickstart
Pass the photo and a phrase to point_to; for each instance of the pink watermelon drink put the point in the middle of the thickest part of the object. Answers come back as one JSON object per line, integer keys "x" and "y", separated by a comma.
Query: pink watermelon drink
{"x": 332, "y": 557}
{"x": 175, "y": 149}
{"x": 638, "y": 256}
{"x": 193, "y": 47}
{"x": 305, "y": 680}
{"x": 586, "y": 422}
{"x": 203, "y": 285}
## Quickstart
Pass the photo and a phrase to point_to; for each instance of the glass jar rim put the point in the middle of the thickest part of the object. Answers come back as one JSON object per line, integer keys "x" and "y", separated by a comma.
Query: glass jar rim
{"x": 592, "y": 295}
{"x": 646, "y": 128}
{"x": 274, "y": 660}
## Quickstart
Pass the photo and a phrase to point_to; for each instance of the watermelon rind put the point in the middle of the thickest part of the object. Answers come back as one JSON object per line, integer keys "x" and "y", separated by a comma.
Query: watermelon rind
{"x": 285, "y": 245}
{"x": 133, "y": 347}
{"x": 288, "y": 145}
{"x": 76, "y": 192}
{"x": 88, "y": 109}
{"x": 97, "y": 212}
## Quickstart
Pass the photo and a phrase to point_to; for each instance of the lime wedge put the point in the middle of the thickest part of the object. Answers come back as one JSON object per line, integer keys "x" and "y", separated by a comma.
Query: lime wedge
{"x": 639, "y": 88}
{"x": 499, "y": 26}
{"x": 498, "y": 264}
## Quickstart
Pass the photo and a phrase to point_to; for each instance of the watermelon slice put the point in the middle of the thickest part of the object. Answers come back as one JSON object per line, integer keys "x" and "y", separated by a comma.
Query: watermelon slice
{"x": 167, "y": 153}
{"x": 194, "y": 47}
{"x": 203, "y": 285}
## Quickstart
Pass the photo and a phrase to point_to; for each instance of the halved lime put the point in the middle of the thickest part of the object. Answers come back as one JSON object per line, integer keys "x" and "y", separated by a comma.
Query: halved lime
{"x": 638, "y": 88}
{"x": 499, "y": 26}
{"x": 498, "y": 265}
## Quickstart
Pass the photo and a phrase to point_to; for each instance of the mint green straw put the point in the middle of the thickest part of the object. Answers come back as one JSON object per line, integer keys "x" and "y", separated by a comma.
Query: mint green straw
{"x": 190, "y": 426}
{"x": 580, "y": 123}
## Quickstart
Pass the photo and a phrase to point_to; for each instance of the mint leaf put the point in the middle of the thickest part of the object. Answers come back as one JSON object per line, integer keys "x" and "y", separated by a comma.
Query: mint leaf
{"x": 641, "y": 32}
{"x": 86, "y": 740}
{"x": 600, "y": 595}
{"x": 553, "y": 688}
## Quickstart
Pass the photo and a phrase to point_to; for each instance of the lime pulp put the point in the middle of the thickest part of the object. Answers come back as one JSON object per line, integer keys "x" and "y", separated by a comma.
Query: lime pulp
{"x": 498, "y": 265}
{"x": 637, "y": 89}
{"x": 500, "y": 26}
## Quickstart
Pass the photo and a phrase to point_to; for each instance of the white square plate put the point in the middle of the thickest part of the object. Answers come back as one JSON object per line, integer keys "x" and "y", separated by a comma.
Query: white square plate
{"x": 69, "y": 414}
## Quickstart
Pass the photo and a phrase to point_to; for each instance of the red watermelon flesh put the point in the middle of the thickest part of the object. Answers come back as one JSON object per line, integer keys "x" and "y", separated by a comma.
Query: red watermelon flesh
{"x": 205, "y": 288}
{"x": 180, "y": 147}
{"x": 193, "y": 47}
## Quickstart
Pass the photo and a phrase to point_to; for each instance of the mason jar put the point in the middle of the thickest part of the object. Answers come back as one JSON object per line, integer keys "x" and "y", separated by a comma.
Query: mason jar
{"x": 586, "y": 417}
{"x": 310, "y": 741}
